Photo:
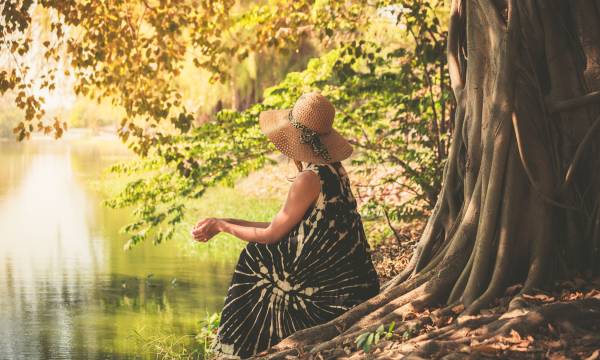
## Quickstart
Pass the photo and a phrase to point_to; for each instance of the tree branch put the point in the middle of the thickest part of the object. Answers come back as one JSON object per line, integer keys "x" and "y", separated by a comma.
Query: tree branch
{"x": 396, "y": 234}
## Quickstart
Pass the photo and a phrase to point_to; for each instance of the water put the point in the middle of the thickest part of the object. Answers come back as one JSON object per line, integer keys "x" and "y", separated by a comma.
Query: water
{"x": 67, "y": 288}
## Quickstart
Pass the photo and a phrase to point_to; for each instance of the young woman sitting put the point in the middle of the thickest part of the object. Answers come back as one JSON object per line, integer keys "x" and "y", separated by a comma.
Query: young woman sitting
{"x": 312, "y": 262}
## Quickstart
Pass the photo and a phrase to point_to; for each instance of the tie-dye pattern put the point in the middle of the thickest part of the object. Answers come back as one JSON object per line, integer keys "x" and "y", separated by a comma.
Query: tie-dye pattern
{"x": 317, "y": 272}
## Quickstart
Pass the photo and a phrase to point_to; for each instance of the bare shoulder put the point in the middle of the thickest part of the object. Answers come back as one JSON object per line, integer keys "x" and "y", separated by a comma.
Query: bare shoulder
{"x": 307, "y": 180}
{"x": 305, "y": 188}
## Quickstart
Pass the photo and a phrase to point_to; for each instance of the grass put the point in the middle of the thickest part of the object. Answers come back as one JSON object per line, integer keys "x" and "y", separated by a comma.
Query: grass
{"x": 187, "y": 347}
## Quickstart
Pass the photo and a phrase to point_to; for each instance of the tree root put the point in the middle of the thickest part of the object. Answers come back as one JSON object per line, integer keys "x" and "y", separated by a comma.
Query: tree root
{"x": 522, "y": 333}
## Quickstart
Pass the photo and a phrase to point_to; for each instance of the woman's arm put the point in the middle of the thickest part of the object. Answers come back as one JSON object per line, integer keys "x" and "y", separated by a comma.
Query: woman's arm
{"x": 303, "y": 193}
{"x": 257, "y": 224}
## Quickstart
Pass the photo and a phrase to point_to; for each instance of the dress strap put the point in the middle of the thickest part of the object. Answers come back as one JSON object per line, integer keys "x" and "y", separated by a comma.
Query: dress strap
{"x": 315, "y": 169}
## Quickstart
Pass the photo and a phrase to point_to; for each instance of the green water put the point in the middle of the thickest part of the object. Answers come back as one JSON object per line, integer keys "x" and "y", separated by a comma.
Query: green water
{"x": 67, "y": 288}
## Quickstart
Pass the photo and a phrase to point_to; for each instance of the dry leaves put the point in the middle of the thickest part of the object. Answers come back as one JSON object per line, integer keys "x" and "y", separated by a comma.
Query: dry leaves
{"x": 539, "y": 297}
{"x": 458, "y": 308}
{"x": 595, "y": 355}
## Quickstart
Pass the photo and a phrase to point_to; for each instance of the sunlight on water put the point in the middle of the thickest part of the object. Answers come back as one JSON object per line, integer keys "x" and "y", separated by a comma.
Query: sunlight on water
{"x": 46, "y": 247}
{"x": 67, "y": 289}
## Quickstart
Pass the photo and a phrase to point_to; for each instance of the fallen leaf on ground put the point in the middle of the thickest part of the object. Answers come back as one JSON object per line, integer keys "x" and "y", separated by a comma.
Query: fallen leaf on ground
{"x": 539, "y": 297}
{"x": 595, "y": 293}
{"x": 485, "y": 348}
{"x": 513, "y": 314}
{"x": 595, "y": 355}
{"x": 554, "y": 344}
{"x": 458, "y": 308}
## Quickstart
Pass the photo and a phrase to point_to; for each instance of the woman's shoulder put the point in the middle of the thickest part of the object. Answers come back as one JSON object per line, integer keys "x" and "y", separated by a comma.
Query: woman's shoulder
{"x": 306, "y": 176}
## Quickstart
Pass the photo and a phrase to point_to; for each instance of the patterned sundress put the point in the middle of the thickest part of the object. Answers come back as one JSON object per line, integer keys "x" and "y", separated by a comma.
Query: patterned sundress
{"x": 318, "y": 271}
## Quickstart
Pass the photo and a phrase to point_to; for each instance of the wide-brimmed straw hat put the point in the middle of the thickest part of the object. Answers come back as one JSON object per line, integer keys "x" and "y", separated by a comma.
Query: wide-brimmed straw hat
{"x": 305, "y": 131}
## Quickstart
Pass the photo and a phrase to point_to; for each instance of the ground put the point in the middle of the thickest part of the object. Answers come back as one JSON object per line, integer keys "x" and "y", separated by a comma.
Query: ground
{"x": 563, "y": 324}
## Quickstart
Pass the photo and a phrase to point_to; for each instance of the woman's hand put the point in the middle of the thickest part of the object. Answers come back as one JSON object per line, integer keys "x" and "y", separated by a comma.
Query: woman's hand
{"x": 206, "y": 229}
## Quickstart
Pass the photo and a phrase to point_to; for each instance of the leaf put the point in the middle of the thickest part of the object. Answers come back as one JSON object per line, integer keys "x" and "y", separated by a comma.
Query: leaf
{"x": 539, "y": 297}
{"x": 485, "y": 348}
{"x": 458, "y": 308}
{"x": 368, "y": 342}
{"x": 391, "y": 328}
{"x": 361, "y": 339}
{"x": 595, "y": 294}
{"x": 594, "y": 356}
{"x": 515, "y": 336}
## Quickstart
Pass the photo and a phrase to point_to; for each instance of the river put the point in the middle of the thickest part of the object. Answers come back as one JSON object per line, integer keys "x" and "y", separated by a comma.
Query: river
{"x": 68, "y": 290}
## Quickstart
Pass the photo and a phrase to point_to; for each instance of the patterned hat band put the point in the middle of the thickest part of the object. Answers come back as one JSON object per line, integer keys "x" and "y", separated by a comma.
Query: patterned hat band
{"x": 306, "y": 132}
{"x": 311, "y": 137}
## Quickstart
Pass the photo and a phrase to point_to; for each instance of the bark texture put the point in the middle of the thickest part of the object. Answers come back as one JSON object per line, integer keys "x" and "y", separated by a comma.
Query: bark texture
{"x": 520, "y": 197}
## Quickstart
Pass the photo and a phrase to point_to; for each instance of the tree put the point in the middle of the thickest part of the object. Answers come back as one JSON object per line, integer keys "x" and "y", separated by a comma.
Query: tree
{"x": 131, "y": 53}
{"x": 519, "y": 194}
{"x": 520, "y": 198}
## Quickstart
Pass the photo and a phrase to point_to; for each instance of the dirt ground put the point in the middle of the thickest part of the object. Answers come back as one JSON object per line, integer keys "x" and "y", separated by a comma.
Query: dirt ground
{"x": 561, "y": 324}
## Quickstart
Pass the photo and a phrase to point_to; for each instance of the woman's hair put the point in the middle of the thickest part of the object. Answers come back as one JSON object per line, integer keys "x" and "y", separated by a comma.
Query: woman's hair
{"x": 299, "y": 166}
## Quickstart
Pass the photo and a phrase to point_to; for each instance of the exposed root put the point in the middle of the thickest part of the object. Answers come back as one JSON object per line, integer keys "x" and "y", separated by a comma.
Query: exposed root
{"x": 570, "y": 329}
{"x": 566, "y": 322}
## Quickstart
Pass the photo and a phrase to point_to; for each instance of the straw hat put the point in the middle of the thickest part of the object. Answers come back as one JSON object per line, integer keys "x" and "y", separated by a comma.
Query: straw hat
{"x": 305, "y": 131}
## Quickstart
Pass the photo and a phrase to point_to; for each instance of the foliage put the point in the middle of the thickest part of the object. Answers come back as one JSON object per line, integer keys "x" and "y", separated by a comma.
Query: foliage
{"x": 208, "y": 332}
{"x": 211, "y": 154}
{"x": 368, "y": 339}
{"x": 188, "y": 347}
{"x": 9, "y": 118}
{"x": 392, "y": 102}
{"x": 132, "y": 52}
{"x": 390, "y": 92}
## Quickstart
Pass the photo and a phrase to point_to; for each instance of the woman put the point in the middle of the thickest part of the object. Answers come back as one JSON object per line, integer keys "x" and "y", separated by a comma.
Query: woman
{"x": 312, "y": 262}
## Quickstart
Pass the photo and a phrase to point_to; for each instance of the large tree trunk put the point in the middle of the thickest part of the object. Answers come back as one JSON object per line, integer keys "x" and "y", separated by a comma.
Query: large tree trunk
{"x": 520, "y": 198}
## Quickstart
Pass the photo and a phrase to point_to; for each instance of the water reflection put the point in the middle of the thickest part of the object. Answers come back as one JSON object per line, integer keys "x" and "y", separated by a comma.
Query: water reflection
{"x": 67, "y": 289}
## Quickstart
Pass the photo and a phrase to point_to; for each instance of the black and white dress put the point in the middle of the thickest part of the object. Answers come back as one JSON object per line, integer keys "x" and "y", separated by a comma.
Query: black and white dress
{"x": 318, "y": 271}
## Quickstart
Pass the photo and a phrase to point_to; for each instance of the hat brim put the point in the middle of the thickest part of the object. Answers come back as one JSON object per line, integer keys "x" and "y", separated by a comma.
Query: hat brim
{"x": 286, "y": 138}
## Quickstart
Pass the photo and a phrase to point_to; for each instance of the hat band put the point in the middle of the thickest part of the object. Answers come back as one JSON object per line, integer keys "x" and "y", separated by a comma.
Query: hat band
{"x": 310, "y": 137}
